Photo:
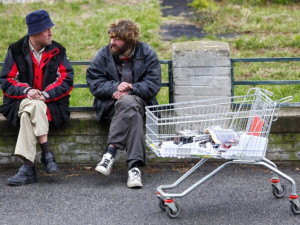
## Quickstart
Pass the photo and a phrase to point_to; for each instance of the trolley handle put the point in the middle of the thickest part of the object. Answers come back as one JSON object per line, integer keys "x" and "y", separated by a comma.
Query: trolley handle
{"x": 284, "y": 100}
{"x": 257, "y": 90}
{"x": 281, "y": 101}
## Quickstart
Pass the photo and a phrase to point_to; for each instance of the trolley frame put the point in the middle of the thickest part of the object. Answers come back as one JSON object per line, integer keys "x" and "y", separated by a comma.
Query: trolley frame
{"x": 238, "y": 113}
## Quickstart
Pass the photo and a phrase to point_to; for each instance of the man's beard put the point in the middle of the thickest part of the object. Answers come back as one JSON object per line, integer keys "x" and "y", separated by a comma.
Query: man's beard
{"x": 120, "y": 50}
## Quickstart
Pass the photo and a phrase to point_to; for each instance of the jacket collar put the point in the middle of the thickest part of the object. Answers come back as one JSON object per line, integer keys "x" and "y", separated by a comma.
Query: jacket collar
{"x": 111, "y": 65}
{"x": 139, "y": 64}
{"x": 50, "y": 48}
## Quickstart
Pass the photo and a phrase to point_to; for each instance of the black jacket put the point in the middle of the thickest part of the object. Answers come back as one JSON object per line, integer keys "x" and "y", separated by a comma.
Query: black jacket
{"x": 103, "y": 79}
{"x": 17, "y": 76}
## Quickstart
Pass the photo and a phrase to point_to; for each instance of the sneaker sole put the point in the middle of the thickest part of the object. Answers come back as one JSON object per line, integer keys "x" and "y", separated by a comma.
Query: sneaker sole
{"x": 135, "y": 185}
{"x": 99, "y": 169}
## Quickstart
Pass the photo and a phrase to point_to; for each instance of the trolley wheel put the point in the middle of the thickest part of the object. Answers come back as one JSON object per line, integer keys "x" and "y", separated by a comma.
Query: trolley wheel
{"x": 277, "y": 193}
{"x": 295, "y": 209}
{"x": 162, "y": 204}
{"x": 171, "y": 213}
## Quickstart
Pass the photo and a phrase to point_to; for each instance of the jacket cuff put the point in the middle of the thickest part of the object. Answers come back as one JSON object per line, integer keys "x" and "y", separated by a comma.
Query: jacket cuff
{"x": 45, "y": 94}
{"x": 115, "y": 87}
{"x": 26, "y": 90}
{"x": 133, "y": 90}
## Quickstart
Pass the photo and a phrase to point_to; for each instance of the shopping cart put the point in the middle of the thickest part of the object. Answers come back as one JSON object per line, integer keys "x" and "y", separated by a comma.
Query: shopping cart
{"x": 235, "y": 129}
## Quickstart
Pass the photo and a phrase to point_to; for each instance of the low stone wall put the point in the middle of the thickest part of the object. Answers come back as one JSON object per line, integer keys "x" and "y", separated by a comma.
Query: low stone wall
{"x": 284, "y": 140}
{"x": 83, "y": 140}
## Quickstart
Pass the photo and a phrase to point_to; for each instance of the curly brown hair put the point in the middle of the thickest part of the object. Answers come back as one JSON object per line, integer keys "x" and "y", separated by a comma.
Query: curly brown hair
{"x": 126, "y": 31}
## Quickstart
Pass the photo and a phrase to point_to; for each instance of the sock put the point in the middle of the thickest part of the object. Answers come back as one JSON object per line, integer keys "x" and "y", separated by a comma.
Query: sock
{"x": 28, "y": 163}
{"x": 45, "y": 148}
{"x": 111, "y": 150}
{"x": 135, "y": 164}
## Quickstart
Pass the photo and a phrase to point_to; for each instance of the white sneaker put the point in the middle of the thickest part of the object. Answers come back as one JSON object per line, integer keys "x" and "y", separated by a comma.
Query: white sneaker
{"x": 105, "y": 165}
{"x": 134, "y": 178}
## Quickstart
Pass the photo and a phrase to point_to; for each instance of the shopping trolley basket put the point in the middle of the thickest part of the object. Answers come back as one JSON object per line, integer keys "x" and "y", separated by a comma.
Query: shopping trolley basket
{"x": 235, "y": 129}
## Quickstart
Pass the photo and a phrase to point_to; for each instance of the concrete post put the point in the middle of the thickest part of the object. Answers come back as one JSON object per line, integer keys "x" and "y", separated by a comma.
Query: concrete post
{"x": 201, "y": 70}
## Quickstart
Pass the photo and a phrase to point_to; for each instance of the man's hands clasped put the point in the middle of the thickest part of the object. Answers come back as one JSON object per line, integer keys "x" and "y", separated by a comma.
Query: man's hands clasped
{"x": 122, "y": 90}
{"x": 36, "y": 94}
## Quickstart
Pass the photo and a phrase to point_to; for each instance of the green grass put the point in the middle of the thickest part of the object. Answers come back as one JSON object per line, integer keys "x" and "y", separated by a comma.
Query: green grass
{"x": 270, "y": 30}
{"x": 81, "y": 27}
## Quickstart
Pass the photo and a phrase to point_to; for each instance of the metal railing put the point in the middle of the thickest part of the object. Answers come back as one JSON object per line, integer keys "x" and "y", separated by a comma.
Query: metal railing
{"x": 234, "y": 83}
{"x": 168, "y": 84}
{"x": 263, "y": 82}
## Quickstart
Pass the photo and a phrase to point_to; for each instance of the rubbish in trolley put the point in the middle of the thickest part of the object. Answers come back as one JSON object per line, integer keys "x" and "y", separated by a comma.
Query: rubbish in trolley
{"x": 224, "y": 137}
{"x": 235, "y": 129}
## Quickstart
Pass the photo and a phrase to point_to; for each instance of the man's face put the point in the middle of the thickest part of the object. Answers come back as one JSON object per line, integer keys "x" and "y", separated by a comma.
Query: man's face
{"x": 118, "y": 46}
{"x": 45, "y": 37}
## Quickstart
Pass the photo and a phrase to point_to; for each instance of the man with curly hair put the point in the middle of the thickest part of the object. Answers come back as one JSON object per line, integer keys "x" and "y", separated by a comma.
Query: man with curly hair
{"x": 124, "y": 77}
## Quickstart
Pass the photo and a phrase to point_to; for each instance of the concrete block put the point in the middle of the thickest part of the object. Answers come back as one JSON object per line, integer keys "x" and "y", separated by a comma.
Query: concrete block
{"x": 200, "y": 54}
{"x": 200, "y": 71}
{"x": 194, "y": 81}
{"x": 186, "y": 98}
{"x": 202, "y": 91}
{"x": 221, "y": 81}
{"x": 201, "y": 68}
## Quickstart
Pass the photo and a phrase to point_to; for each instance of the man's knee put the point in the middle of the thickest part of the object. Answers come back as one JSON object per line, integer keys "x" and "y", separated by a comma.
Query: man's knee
{"x": 126, "y": 100}
{"x": 130, "y": 101}
{"x": 38, "y": 104}
{"x": 129, "y": 106}
{"x": 32, "y": 106}
{"x": 24, "y": 117}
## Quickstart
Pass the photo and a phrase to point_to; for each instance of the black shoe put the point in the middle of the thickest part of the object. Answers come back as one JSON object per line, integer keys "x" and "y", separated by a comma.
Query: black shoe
{"x": 49, "y": 162}
{"x": 25, "y": 175}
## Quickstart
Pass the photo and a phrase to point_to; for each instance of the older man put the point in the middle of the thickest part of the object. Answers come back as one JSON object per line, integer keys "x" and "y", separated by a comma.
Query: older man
{"x": 124, "y": 77}
{"x": 36, "y": 80}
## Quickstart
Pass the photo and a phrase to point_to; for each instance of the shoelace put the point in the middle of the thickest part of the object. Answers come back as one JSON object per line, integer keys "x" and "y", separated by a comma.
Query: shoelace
{"x": 105, "y": 163}
{"x": 135, "y": 173}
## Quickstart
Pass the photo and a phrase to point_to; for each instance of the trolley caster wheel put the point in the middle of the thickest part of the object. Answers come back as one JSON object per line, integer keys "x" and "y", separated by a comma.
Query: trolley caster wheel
{"x": 173, "y": 214}
{"x": 162, "y": 204}
{"x": 277, "y": 193}
{"x": 295, "y": 209}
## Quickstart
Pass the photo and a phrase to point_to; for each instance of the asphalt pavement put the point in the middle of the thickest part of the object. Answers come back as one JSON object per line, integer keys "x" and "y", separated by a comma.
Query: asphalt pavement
{"x": 239, "y": 194}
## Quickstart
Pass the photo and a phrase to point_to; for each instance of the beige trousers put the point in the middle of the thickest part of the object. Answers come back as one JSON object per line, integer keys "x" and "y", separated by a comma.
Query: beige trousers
{"x": 33, "y": 123}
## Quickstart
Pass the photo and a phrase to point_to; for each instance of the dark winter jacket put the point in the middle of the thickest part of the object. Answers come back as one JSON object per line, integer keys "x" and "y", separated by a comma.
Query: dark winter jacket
{"x": 17, "y": 77}
{"x": 103, "y": 79}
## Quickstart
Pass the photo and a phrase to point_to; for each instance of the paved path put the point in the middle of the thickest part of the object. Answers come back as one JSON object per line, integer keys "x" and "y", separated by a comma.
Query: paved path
{"x": 182, "y": 22}
{"x": 78, "y": 195}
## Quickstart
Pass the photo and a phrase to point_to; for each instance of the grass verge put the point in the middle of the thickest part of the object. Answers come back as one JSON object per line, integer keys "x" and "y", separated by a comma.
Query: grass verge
{"x": 270, "y": 30}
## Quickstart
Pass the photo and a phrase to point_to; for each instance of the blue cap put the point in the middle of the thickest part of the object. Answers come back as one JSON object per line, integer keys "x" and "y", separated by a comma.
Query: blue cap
{"x": 38, "y": 21}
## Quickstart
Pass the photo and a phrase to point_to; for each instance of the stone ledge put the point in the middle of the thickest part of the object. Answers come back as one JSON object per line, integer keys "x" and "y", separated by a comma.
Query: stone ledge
{"x": 83, "y": 140}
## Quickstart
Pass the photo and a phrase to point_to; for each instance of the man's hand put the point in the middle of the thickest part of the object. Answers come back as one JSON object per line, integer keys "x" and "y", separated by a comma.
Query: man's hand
{"x": 118, "y": 94}
{"x": 36, "y": 94}
{"x": 42, "y": 98}
{"x": 124, "y": 86}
